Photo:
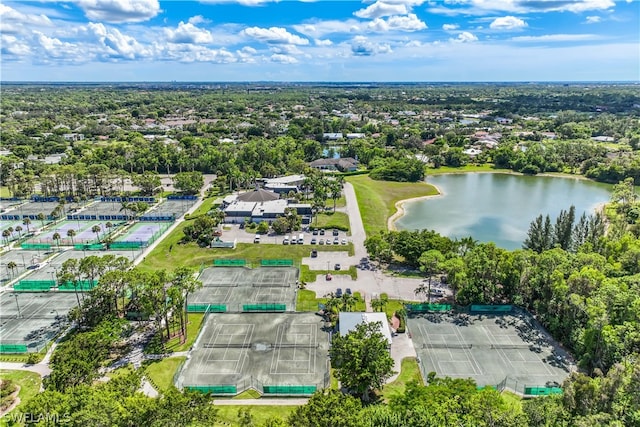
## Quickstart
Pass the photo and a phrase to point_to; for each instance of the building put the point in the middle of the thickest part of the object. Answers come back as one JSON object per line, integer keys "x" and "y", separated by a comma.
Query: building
{"x": 345, "y": 164}
{"x": 348, "y": 322}
{"x": 284, "y": 184}
{"x": 260, "y": 205}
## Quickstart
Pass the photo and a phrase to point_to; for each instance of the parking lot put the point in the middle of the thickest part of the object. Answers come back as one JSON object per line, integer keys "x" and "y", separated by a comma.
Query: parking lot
{"x": 243, "y": 236}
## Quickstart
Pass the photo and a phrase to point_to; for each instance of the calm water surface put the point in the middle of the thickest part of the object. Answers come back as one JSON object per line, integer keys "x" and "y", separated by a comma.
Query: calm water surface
{"x": 493, "y": 207}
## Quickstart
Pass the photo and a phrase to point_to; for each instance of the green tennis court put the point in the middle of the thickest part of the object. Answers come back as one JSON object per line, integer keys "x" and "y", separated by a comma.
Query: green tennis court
{"x": 489, "y": 349}
{"x": 275, "y": 353}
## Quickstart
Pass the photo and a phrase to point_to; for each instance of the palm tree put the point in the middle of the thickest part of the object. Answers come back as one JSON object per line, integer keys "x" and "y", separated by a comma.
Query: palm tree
{"x": 41, "y": 219}
{"x": 19, "y": 230}
{"x": 108, "y": 225}
{"x": 11, "y": 265}
{"x": 96, "y": 229}
{"x": 27, "y": 222}
{"x": 6, "y": 234}
{"x": 56, "y": 237}
{"x": 71, "y": 234}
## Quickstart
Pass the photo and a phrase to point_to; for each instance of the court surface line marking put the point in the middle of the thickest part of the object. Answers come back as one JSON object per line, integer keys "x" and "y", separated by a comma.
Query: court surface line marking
{"x": 472, "y": 360}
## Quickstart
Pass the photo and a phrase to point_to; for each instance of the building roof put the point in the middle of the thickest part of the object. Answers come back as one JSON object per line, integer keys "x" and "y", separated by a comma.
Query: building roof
{"x": 348, "y": 322}
{"x": 258, "y": 195}
{"x": 289, "y": 179}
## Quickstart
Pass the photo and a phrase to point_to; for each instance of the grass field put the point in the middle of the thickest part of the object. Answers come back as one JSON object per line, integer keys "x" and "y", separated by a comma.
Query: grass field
{"x": 161, "y": 373}
{"x": 340, "y": 203}
{"x": 377, "y": 199}
{"x": 307, "y": 275}
{"x": 327, "y": 220}
{"x": 228, "y": 415}
{"x": 307, "y": 301}
{"x": 191, "y": 255}
{"x": 29, "y": 383}
{"x": 193, "y": 327}
{"x": 409, "y": 371}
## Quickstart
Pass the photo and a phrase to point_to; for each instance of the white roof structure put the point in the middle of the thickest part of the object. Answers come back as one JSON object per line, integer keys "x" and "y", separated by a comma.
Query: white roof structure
{"x": 349, "y": 320}
{"x": 286, "y": 180}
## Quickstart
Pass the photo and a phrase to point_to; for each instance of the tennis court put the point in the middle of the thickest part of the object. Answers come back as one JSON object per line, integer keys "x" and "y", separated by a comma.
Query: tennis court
{"x": 488, "y": 349}
{"x": 246, "y": 289}
{"x": 30, "y": 320}
{"x": 22, "y": 259}
{"x": 142, "y": 234}
{"x": 13, "y": 235}
{"x": 273, "y": 353}
{"x": 30, "y": 210}
{"x": 169, "y": 210}
{"x": 83, "y": 230}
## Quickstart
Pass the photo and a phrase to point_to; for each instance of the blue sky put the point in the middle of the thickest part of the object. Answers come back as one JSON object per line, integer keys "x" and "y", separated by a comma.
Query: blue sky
{"x": 263, "y": 40}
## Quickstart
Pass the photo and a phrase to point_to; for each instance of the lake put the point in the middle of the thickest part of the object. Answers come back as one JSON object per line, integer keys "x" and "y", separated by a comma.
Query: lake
{"x": 495, "y": 207}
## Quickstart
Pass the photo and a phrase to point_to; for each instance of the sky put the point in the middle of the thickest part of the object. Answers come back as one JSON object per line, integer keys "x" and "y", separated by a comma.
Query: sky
{"x": 329, "y": 41}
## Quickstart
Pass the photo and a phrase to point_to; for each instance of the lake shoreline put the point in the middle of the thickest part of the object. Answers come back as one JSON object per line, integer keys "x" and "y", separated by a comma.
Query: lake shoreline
{"x": 400, "y": 211}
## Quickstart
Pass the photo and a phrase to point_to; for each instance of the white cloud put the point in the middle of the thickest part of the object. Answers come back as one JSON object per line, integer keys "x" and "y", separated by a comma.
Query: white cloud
{"x": 188, "y": 33}
{"x": 450, "y": 27}
{"x": 380, "y": 9}
{"x": 242, "y": 2}
{"x": 507, "y": 23}
{"x": 283, "y": 59}
{"x": 482, "y": 7}
{"x": 593, "y": 19}
{"x": 198, "y": 19}
{"x": 274, "y": 35}
{"x": 11, "y": 45}
{"x": 361, "y": 46}
{"x": 116, "y": 11}
{"x": 53, "y": 49}
{"x": 288, "y": 49}
{"x": 557, "y": 38}
{"x": 325, "y": 42}
{"x": 321, "y": 29}
{"x": 118, "y": 45}
{"x": 188, "y": 53}
{"x": 13, "y": 21}
{"x": 464, "y": 37}
{"x": 397, "y": 23}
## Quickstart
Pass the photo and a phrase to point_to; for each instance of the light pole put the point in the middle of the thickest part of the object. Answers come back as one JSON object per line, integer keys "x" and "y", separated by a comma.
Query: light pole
{"x": 327, "y": 267}
{"x": 17, "y": 305}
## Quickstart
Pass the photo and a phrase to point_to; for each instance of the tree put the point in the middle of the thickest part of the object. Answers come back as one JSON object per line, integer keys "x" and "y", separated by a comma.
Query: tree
{"x": 11, "y": 266}
{"x": 361, "y": 359}
{"x": 56, "y": 238}
{"x": 6, "y": 234}
{"x": 328, "y": 408}
{"x": 41, "y": 218}
{"x": 539, "y": 237}
{"x": 148, "y": 182}
{"x": 96, "y": 229}
{"x": 27, "y": 222}
{"x": 189, "y": 182}
{"x": 71, "y": 233}
{"x": 430, "y": 263}
{"x": 19, "y": 230}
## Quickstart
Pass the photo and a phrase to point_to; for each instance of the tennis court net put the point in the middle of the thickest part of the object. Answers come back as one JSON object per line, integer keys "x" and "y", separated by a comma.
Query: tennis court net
{"x": 259, "y": 345}
{"x": 433, "y": 345}
{"x": 510, "y": 346}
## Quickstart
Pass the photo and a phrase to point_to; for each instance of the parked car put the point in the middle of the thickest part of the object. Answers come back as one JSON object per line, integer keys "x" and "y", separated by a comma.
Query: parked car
{"x": 348, "y": 291}
{"x": 285, "y": 241}
{"x": 328, "y": 241}
{"x": 314, "y": 254}
{"x": 256, "y": 239}
{"x": 339, "y": 292}
{"x": 322, "y": 231}
{"x": 328, "y": 277}
{"x": 335, "y": 232}
{"x": 315, "y": 232}
{"x": 321, "y": 242}
{"x": 344, "y": 241}
{"x": 336, "y": 241}
{"x": 336, "y": 267}
{"x": 314, "y": 241}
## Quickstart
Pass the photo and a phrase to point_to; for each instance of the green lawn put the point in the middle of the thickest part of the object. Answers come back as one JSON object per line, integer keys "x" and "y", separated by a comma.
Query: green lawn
{"x": 228, "y": 415}
{"x": 326, "y": 220}
{"x": 308, "y": 276}
{"x": 4, "y": 192}
{"x": 377, "y": 199}
{"x": 29, "y": 383}
{"x": 307, "y": 301}
{"x": 191, "y": 255}
{"x": 194, "y": 321}
{"x": 161, "y": 373}
{"x": 340, "y": 203}
{"x": 410, "y": 371}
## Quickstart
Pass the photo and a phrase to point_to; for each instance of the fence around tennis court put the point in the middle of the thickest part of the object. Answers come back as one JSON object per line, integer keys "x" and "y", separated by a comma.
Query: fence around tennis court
{"x": 263, "y": 389}
{"x": 473, "y": 308}
{"x": 135, "y": 239}
{"x": 49, "y": 285}
{"x": 526, "y": 390}
{"x": 238, "y": 307}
